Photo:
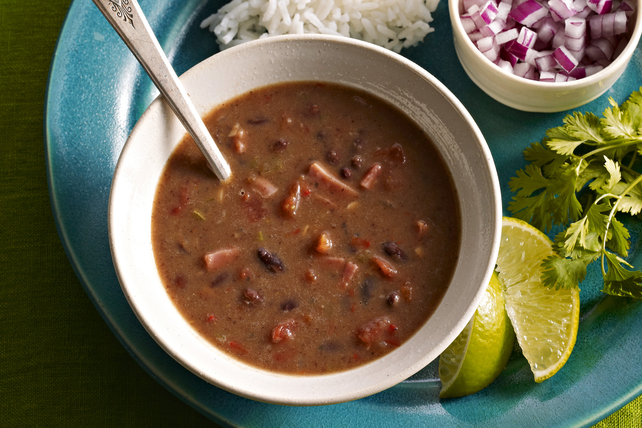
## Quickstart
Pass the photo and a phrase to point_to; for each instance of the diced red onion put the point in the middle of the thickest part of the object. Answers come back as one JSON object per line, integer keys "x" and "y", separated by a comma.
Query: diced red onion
{"x": 600, "y": 6}
{"x": 551, "y": 41}
{"x": 468, "y": 3}
{"x": 505, "y": 65}
{"x": 507, "y": 56}
{"x": 619, "y": 26}
{"x": 545, "y": 63}
{"x": 595, "y": 25}
{"x": 558, "y": 40}
{"x": 574, "y": 44}
{"x": 563, "y": 8}
{"x": 524, "y": 69}
{"x": 527, "y": 37}
{"x": 475, "y": 36}
{"x": 506, "y": 36}
{"x": 608, "y": 24}
{"x": 575, "y": 27}
{"x": 488, "y": 11}
{"x": 476, "y": 16}
{"x": 468, "y": 23}
{"x": 503, "y": 9}
{"x": 528, "y": 13}
{"x": 627, "y": 6}
{"x": 546, "y": 76}
{"x": 516, "y": 49}
{"x": 547, "y": 30}
{"x": 492, "y": 29}
{"x": 485, "y": 44}
{"x": 565, "y": 59}
{"x": 604, "y": 46}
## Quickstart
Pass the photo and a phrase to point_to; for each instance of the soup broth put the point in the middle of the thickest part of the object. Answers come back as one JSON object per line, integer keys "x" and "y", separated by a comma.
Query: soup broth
{"x": 332, "y": 244}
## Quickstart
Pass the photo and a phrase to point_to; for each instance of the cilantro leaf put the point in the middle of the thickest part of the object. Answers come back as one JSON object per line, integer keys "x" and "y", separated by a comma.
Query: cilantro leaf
{"x": 598, "y": 161}
{"x": 586, "y": 127}
{"x": 621, "y": 282}
{"x": 564, "y": 273}
{"x": 616, "y": 123}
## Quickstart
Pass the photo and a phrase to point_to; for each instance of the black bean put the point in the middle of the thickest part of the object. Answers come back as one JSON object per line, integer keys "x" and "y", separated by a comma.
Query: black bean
{"x": 289, "y": 305}
{"x": 332, "y": 157}
{"x": 330, "y": 346}
{"x": 220, "y": 279}
{"x": 257, "y": 120}
{"x": 251, "y": 296}
{"x": 357, "y": 161}
{"x": 271, "y": 261}
{"x": 393, "y": 298}
{"x": 396, "y": 154}
{"x": 393, "y": 250}
{"x": 280, "y": 145}
{"x": 346, "y": 172}
{"x": 180, "y": 281}
{"x": 367, "y": 287}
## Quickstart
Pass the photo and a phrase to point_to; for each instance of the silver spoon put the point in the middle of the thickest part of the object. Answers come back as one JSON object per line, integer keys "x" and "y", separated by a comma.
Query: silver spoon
{"x": 131, "y": 25}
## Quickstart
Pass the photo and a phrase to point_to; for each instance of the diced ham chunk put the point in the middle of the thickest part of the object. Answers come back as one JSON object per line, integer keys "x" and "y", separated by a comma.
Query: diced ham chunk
{"x": 370, "y": 179}
{"x": 320, "y": 175}
{"x": 264, "y": 187}
{"x": 385, "y": 266}
{"x": 220, "y": 258}
{"x": 373, "y": 330}
{"x": 333, "y": 262}
{"x": 348, "y": 273}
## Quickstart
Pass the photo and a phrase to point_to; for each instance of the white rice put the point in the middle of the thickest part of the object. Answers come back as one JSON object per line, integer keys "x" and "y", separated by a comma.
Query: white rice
{"x": 393, "y": 24}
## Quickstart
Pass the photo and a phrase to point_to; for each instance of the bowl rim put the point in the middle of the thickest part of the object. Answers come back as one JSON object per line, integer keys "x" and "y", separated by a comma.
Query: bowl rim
{"x": 619, "y": 63}
{"x": 338, "y": 396}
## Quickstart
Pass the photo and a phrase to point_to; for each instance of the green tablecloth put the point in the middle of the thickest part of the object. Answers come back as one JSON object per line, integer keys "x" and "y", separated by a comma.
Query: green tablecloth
{"x": 60, "y": 365}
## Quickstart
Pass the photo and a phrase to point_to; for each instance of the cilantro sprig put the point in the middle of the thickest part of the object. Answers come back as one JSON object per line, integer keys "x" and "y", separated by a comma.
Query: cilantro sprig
{"x": 580, "y": 177}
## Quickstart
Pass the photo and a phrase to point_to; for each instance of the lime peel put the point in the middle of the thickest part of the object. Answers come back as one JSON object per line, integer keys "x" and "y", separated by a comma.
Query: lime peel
{"x": 480, "y": 352}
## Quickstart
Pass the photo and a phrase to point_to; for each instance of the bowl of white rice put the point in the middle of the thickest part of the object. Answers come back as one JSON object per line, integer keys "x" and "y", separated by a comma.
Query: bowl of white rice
{"x": 392, "y": 24}
{"x": 303, "y": 58}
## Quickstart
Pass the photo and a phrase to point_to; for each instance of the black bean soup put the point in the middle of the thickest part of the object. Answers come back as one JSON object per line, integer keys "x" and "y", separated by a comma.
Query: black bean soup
{"x": 334, "y": 241}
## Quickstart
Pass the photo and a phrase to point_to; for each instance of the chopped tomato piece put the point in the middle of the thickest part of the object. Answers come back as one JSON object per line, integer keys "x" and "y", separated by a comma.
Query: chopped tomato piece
{"x": 291, "y": 203}
{"x": 357, "y": 242}
{"x": 283, "y": 331}
{"x": 236, "y": 346}
{"x": 373, "y": 330}
{"x": 324, "y": 244}
{"x": 393, "y": 342}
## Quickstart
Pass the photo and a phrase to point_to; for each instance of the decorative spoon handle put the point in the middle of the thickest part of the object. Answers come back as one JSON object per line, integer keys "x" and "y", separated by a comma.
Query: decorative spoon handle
{"x": 131, "y": 25}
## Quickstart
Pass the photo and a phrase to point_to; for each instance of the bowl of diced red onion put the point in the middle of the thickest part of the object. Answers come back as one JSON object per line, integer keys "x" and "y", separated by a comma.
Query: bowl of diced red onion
{"x": 545, "y": 55}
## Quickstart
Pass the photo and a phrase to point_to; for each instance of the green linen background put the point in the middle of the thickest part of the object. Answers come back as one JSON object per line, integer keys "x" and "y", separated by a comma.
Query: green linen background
{"x": 60, "y": 365}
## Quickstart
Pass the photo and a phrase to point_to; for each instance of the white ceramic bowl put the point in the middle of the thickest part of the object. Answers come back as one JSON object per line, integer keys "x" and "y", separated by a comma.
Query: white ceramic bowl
{"x": 529, "y": 95}
{"x": 304, "y": 58}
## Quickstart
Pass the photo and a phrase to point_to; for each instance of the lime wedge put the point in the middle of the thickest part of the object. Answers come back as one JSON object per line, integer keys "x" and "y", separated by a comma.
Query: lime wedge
{"x": 480, "y": 352}
{"x": 545, "y": 320}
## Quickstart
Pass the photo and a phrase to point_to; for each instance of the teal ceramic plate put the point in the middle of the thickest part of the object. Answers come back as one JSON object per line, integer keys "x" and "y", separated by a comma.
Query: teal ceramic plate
{"x": 95, "y": 95}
